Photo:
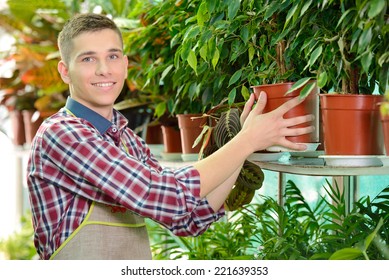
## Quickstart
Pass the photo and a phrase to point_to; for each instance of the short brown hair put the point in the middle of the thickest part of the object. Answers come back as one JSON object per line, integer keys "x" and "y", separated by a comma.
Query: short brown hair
{"x": 81, "y": 23}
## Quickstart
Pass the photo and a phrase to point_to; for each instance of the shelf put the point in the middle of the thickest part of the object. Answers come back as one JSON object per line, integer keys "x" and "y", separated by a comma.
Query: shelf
{"x": 316, "y": 167}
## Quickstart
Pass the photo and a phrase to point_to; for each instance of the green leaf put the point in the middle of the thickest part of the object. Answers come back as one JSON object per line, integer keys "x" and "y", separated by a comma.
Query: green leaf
{"x": 215, "y": 58}
{"x": 315, "y": 55}
{"x": 305, "y": 7}
{"x": 235, "y": 77}
{"x": 322, "y": 79}
{"x": 290, "y": 14}
{"x": 376, "y": 7}
{"x": 251, "y": 53}
{"x": 231, "y": 96}
{"x": 365, "y": 39}
{"x": 201, "y": 18}
{"x": 366, "y": 60}
{"x": 166, "y": 71}
{"x": 204, "y": 52}
{"x": 346, "y": 254}
{"x": 372, "y": 235}
{"x": 191, "y": 33}
{"x": 245, "y": 92}
{"x": 271, "y": 9}
{"x": 192, "y": 60}
{"x": 233, "y": 8}
{"x": 298, "y": 84}
{"x": 160, "y": 109}
{"x": 244, "y": 34}
{"x": 307, "y": 90}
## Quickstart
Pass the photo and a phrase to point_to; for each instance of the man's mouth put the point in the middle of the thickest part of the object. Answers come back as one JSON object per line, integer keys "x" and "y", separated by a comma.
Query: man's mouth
{"x": 103, "y": 84}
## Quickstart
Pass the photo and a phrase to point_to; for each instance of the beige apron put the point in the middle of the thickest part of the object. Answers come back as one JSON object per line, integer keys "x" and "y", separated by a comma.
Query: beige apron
{"x": 107, "y": 233}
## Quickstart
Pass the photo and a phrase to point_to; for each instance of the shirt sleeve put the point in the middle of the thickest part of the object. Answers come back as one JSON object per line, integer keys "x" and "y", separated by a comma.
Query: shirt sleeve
{"x": 97, "y": 169}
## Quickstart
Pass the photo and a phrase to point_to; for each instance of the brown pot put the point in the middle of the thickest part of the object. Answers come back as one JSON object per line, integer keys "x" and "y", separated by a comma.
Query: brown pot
{"x": 17, "y": 123}
{"x": 351, "y": 124}
{"x": 276, "y": 97}
{"x": 171, "y": 139}
{"x": 154, "y": 134}
{"x": 385, "y": 128}
{"x": 32, "y": 121}
{"x": 190, "y": 128}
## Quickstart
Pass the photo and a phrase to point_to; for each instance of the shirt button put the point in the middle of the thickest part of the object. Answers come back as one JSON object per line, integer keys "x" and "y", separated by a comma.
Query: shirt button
{"x": 114, "y": 129}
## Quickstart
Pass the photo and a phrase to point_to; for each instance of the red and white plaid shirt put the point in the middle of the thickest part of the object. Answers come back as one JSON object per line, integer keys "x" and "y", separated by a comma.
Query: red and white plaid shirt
{"x": 78, "y": 156}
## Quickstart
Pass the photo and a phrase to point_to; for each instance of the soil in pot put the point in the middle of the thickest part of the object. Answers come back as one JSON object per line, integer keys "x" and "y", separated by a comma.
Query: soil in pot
{"x": 351, "y": 124}
{"x": 276, "y": 97}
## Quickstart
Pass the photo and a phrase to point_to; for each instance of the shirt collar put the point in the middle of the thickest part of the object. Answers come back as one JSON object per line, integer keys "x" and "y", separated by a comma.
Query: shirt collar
{"x": 81, "y": 111}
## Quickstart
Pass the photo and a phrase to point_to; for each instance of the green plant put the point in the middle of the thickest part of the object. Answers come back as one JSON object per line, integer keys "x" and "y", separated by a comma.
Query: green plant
{"x": 227, "y": 239}
{"x": 295, "y": 230}
{"x": 326, "y": 231}
{"x": 346, "y": 42}
{"x": 34, "y": 28}
{"x": 151, "y": 49}
{"x": 20, "y": 245}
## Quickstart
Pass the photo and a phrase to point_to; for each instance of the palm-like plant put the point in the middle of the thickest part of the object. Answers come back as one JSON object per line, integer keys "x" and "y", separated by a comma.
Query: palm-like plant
{"x": 295, "y": 230}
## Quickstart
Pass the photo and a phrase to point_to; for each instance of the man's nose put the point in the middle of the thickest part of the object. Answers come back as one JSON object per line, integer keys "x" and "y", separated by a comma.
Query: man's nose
{"x": 102, "y": 68}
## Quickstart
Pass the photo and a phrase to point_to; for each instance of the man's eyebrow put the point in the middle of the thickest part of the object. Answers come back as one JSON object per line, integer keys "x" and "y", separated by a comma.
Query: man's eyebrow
{"x": 112, "y": 50}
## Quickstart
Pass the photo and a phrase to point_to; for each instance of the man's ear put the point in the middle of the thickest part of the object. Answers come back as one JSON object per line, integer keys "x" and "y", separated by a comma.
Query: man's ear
{"x": 126, "y": 66}
{"x": 63, "y": 71}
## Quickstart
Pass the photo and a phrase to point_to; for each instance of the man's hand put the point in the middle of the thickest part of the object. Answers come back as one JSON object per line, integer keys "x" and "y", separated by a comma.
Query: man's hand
{"x": 265, "y": 130}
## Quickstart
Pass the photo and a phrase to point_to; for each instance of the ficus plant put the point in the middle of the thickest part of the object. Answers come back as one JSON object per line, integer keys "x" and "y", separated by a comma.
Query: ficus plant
{"x": 345, "y": 42}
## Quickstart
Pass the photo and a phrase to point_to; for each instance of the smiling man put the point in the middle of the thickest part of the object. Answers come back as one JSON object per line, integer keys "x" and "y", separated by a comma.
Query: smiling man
{"x": 91, "y": 179}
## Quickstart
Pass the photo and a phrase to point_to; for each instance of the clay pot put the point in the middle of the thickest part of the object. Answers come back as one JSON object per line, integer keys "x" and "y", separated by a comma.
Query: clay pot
{"x": 276, "y": 97}
{"x": 190, "y": 128}
{"x": 351, "y": 124}
{"x": 17, "y": 123}
{"x": 171, "y": 139}
{"x": 385, "y": 128}
{"x": 32, "y": 120}
{"x": 154, "y": 134}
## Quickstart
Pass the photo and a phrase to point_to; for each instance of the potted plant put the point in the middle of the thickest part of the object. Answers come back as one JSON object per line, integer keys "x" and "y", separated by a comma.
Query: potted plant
{"x": 35, "y": 75}
{"x": 282, "y": 73}
{"x": 348, "y": 56}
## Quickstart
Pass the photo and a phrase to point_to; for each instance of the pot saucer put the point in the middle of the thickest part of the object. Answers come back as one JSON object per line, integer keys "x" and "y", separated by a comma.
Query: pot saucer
{"x": 310, "y": 147}
{"x": 265, "y": 156}
{"x": 351, "y": 161}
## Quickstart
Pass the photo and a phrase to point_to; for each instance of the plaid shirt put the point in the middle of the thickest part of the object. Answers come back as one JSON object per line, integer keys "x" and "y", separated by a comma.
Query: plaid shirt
{"x": 78, "y": 156}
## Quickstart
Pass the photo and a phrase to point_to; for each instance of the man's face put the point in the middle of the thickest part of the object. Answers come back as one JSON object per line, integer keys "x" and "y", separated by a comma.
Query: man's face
{"x": 96, "y": 70}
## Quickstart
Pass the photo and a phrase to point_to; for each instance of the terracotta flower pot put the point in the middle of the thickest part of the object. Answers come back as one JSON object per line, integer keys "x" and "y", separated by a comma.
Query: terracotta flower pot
{"x": 276, "y": 97}
{"x": 351, "y": 124}
{"x": 190, "y": 128}
{"x": 154, "y": 134}
{"x": 19, "y": 135}
{"x": 32, "y": 120}
{"x": 171, "y": 139}
{"x": 385, "y": 128}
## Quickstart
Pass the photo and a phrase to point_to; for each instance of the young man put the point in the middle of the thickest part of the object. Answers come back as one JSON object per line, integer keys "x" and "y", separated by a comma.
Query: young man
{"x": 88, "y": 173}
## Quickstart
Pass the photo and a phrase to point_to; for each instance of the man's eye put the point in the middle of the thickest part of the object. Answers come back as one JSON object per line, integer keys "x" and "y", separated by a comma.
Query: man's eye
{"x": 87, "y": 59}
{"x": 113, "y": 56}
